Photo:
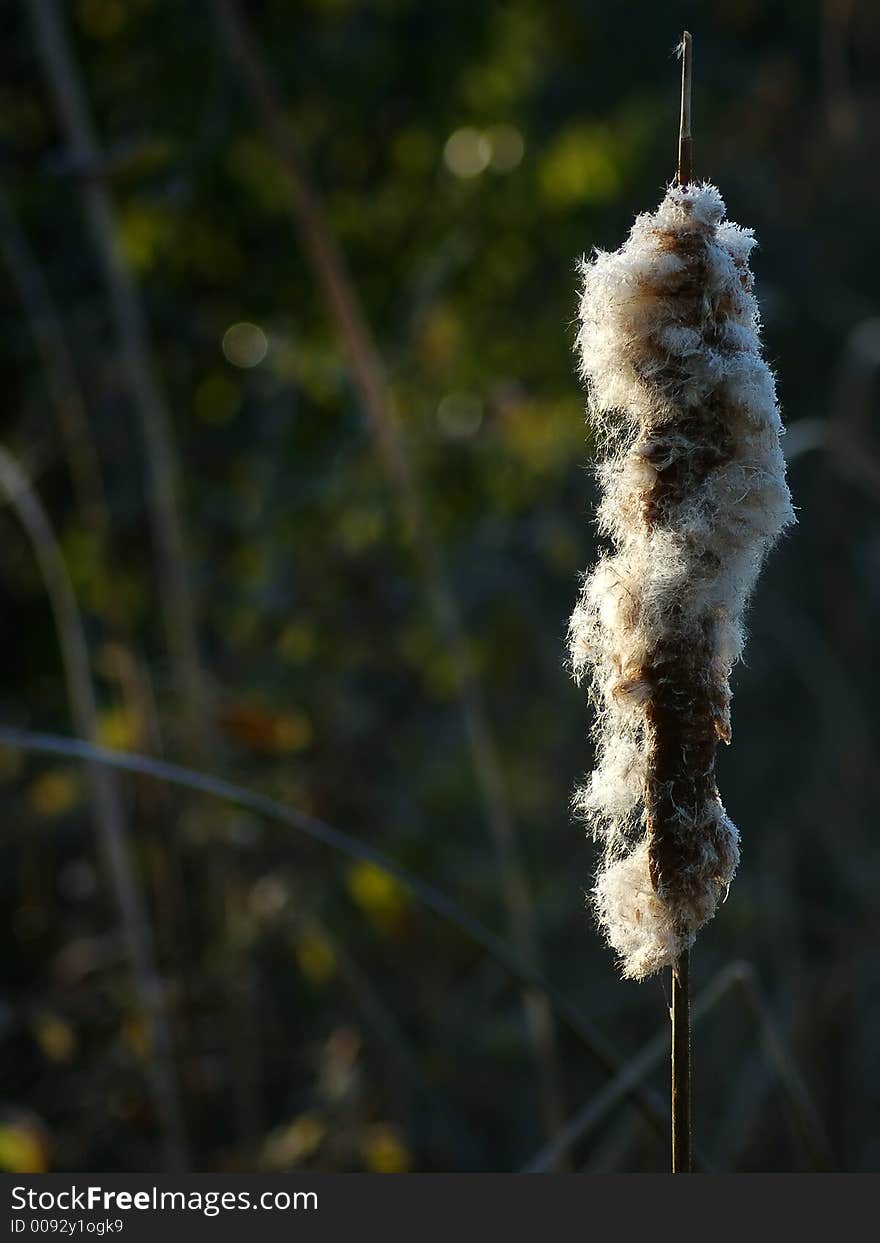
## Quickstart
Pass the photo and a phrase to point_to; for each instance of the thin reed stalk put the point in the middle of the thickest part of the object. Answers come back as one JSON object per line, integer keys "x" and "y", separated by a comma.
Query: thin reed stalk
{"x": 107, "y": 810}
{"x": 680, "y": 1015}
{"x": 430, "y": 896}
{"x": 122, "y": 660}
{"x": 370, "y": 379}
{"x": 737, "y": 978}
{"x": 680, "y": 1010}
{"x": 68, "y": 401}
{"x": 684, "y": 171}
{"x": 149, "y": 401}
{"x": 200, "y": 734}
{"x": 64, "y": 388}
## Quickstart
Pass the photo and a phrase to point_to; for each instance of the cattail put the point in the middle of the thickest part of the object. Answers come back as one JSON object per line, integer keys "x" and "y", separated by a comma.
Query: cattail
{"x": 693, "y": 495}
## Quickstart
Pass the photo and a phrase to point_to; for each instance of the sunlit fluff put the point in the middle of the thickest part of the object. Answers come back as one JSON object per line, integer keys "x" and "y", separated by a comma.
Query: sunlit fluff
{"x": 693, "y": 495}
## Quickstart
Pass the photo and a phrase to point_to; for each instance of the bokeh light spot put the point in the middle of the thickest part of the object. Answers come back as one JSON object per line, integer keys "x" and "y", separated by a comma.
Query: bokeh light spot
{"x": 459, "y": 415}
{"x": 467, "y": 152}
{"x": 245, "y": 345}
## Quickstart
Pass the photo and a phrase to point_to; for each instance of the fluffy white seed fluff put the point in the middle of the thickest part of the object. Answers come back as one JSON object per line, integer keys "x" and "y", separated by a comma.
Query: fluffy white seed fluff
{"x": 693, "y": 495}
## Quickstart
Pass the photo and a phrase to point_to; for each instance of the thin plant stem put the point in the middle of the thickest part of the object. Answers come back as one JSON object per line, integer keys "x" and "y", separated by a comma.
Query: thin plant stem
{"x": 107, "y": 809}
{"x": 685, "y": 139}
{"x": 370, "y": 379}
{"x": 430, "y": 896}
{"x": 61, "y": 378}
{"x": 63, "y": 78}
{"x": 634, "y": 1071}
{"x": 190, "y": 679}
{"x": 737, "y": 978}
{"x": 129, "y": 671}
{"x": 68, "y": 400}
{"x": 680, "y": 1014}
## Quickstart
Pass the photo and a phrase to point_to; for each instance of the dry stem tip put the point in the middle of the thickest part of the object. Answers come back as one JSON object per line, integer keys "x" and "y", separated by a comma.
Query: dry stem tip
{"x": 685, "y": 149}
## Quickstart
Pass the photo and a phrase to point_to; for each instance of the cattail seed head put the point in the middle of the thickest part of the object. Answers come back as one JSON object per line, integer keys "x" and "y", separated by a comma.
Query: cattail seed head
{"x": 693, "y": 495}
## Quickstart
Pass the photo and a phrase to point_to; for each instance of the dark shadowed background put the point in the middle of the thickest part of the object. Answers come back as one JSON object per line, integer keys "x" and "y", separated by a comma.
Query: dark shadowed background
{"x": 286, "y": 317}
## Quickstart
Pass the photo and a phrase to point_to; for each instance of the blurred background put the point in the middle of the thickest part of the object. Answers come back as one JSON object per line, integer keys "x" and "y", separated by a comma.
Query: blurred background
{"x": 295, "y": 491}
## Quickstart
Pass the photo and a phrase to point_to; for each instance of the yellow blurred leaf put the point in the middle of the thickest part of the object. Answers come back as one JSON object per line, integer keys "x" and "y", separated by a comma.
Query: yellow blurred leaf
{"x": 55, "y": 1036}
{"x": 54, "y": 792}
{"x": 22, "y": 1148}
{"x": 118, "y": 728}
{"x": 145, "y": 230}
{"x": 293, "y": 732}
{"x": 385, "y": 1152}
{"x": 136, "y": 1034}
{"x": 315, "y": 956}
{"x": 440, "y": 337}
{"x": 377, "y": 893}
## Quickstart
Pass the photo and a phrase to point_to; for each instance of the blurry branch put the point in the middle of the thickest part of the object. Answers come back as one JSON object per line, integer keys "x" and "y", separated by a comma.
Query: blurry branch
{"x": 370, "y": 379}
{"x": 109, "y": 816}
{"x": 62, "y": 75}
{"x": 188, "y": 676}
{"x": 615, "y": 1151}
{"x": 739, "y": 976}
{"x": 66, "y": 395}
{"x": 803, "y": 1113}
{"x": 121, "y": 660}
{"x": 738, "y": 1124}
{"x": 67, "y": 398}
{"x": 618, "y": 1088}
{"x": 427, "y": 894}
{"x": 64, "y": 389}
